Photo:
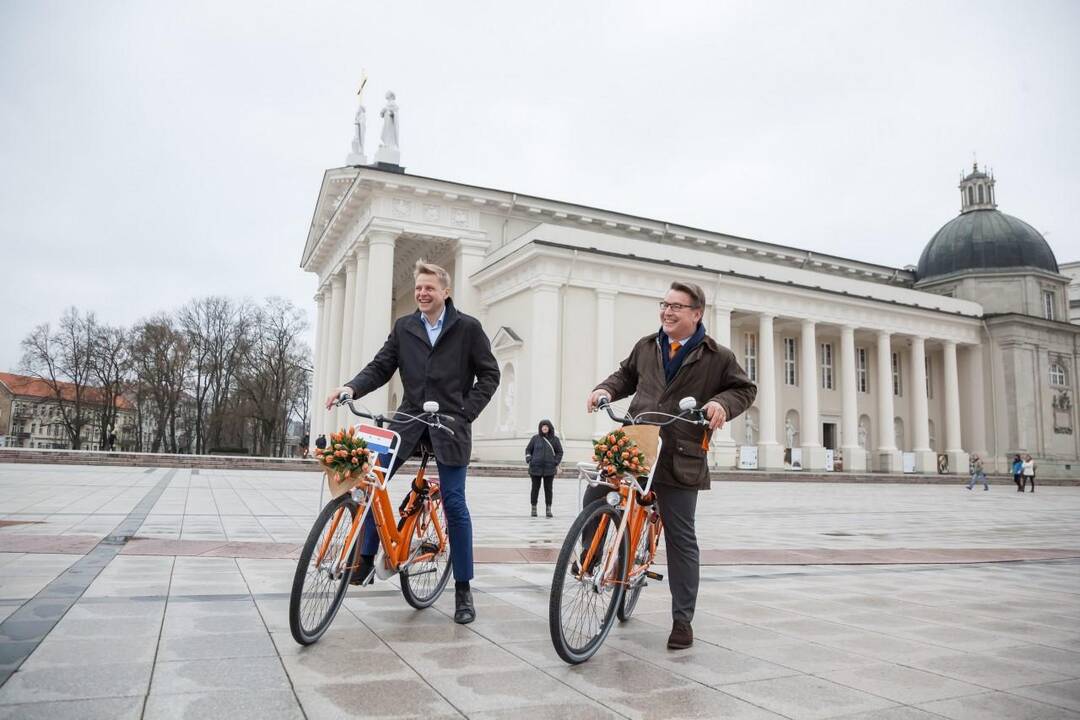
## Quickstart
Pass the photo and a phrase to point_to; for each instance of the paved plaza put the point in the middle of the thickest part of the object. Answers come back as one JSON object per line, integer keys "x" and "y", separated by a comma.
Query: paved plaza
{"x": 163, "y": 593}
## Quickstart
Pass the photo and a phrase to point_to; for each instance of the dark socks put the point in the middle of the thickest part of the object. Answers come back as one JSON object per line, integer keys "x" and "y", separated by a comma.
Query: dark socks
{"x": 461, "y": 585}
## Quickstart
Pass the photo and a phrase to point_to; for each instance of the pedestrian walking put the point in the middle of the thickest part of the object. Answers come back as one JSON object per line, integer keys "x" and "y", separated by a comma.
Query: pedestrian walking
{"x": 1018, "y": 472}
{"x": 977, "y": 473}
{"x": 1028, "y": 473}
{"x": 544, "y": 455}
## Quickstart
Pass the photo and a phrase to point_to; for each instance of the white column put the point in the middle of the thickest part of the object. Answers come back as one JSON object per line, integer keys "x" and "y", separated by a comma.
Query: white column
{"x": 543, "y": 344}
{"x": 957, "y": 457}
{"x": 813, "y": 454}
{"x": 973, "y": 433}
{"x": 468, "y": 259}
{"x": 345, "y": 369}
{"x": 378, "y": 306}
{"x": 605, "y": 348}
{"x": 333, "y": 362}
{"x": 325, "y": 382}
{"x": 854, "y": 456}
{"x": 770, "y": 453}
{"x": 356, "y": 350}
{"x": 315, "y": 413}
{"x": 888, "y": 454}
{"x": 925, "y": 458}
{"x": 722, "y": 447}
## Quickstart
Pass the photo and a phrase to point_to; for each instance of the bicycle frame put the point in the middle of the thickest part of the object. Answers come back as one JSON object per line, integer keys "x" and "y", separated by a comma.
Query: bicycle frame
{"x": 633, "y": 521}
{"x": 373, "y": 497}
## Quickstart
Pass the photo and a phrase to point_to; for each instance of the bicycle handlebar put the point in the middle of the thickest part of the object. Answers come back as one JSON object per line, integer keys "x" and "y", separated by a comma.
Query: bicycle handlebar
{"x": 435, "y": 422}
{"x": 690, "y": 414}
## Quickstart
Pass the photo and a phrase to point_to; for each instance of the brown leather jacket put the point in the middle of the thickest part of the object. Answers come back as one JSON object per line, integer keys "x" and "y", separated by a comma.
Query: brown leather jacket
{"x": 709, "y": 372}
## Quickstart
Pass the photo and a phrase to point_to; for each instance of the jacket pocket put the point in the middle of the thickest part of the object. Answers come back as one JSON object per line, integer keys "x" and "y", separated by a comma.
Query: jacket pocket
{"x": 690, "y": 464}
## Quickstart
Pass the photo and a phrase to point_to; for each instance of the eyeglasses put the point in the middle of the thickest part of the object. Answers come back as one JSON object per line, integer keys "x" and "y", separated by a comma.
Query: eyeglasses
{"x": 677, "y": 307}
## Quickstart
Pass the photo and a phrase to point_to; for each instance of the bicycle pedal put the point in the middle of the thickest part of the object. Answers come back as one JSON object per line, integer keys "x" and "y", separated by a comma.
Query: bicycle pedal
{"x": 653, "y": 575}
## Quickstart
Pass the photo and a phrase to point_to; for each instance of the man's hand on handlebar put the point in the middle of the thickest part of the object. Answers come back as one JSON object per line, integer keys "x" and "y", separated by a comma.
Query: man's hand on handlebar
{"x": 716, "y": 414}
{"x": 594, "y": 399}
{"x": 335, "y": 397}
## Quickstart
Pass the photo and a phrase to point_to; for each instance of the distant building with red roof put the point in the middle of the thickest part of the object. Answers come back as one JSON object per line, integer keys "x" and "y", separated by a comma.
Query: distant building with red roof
{"x": 30, "y": 415}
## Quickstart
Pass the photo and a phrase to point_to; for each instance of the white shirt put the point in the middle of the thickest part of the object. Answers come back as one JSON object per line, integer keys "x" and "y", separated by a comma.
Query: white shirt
{"x": 433, "y": 331}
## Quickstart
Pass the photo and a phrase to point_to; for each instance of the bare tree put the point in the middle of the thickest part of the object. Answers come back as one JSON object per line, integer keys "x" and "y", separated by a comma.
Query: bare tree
{"x": 161, "y": 360}
{"x": 63, "y": 360}
{"x": 110, "y": 365}
{"x": 274, "y": 372}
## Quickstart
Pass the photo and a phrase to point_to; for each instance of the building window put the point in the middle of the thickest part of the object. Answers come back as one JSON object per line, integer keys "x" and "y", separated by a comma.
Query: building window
{"x": 929, "y": 384}
{"x": 826, "y": 366}
{"x": 897, "y": 380}
{"x": 790, "y": 378}
{"x": 750, "y": 355}
{"x": 971, "y": 195}
{"x": 980, "y": 194}
{"x": 1057, "y": 375}
{"x": 862, "y": 380}
{"x": 1048, "y": 304}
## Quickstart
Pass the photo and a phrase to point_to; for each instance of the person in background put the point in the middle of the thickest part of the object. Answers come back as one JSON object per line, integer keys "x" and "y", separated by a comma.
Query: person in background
{"x": 1018, "y": 472}
{"x": 977, "y": 473}
{"x": 1028, "y": 473}
{"x": 544, "y": 455}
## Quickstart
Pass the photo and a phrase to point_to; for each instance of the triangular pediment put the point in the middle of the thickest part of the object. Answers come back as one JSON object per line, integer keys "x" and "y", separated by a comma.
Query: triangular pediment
{"x": 505, "y": 340}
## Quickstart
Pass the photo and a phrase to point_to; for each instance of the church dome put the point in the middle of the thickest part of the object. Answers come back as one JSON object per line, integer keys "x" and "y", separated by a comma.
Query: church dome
{"x": 982, "y": 237}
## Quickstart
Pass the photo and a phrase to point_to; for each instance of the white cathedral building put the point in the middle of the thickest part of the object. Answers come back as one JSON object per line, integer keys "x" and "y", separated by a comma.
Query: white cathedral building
{"x": 860, "y": 367}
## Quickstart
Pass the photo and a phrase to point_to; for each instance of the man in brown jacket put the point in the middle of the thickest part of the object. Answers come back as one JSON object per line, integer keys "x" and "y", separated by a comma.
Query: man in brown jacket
{"x": 679, "y": 361}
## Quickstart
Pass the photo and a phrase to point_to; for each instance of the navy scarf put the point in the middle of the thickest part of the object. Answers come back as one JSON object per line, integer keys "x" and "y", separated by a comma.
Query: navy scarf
{"x": 672, "y": 364}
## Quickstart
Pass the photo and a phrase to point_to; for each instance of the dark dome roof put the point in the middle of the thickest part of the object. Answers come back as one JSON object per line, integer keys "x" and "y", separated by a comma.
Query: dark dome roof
{"x": 985, "y": 239}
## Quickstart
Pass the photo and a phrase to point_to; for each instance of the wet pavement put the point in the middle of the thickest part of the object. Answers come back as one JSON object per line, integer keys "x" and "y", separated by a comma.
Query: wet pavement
{"x": 127, "y": 592}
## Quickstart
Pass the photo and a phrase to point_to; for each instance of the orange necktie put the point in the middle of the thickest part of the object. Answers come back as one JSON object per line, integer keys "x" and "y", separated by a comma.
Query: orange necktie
{"x": 674, "y": 350}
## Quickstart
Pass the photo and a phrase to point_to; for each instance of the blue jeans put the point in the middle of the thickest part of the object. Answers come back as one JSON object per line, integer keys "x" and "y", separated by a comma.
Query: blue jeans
{"x": 976, "y": 478}
{"x": 452, "y": 488}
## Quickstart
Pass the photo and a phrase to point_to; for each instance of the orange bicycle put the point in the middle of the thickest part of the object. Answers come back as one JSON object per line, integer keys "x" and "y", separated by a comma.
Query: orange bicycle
{"x": 416, "y": 546}
{"x": 606, "y": 557}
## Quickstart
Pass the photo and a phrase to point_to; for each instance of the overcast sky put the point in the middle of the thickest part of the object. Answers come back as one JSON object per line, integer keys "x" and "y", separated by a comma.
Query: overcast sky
{"x": 155, "y": 151}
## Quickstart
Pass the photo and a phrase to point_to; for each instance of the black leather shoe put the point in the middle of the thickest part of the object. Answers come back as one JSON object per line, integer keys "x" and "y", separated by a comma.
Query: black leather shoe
{"x": 364, "y": 574}
{"x": 681, "y": 637}
{"x": 464, "y": 612}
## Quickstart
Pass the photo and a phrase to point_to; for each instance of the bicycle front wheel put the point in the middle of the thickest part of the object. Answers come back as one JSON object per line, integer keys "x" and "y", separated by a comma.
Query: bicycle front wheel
{"x": 318, "y": 588}
{"x": 583, "y": 600}
{"x": 423, "y": 582}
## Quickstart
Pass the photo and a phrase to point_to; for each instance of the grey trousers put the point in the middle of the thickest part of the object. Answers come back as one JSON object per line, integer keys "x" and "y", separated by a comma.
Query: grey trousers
{"x": 677, "y": 509}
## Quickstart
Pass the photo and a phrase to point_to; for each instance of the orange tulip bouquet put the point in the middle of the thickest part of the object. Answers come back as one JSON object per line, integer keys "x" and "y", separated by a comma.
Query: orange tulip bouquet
{"x": 616, "y": 455}
{"x": 345, "y": 457}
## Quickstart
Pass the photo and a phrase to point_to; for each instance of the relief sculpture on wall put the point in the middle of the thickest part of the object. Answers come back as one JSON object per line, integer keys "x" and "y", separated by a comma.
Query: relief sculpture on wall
{"x": 1062, "y": 413}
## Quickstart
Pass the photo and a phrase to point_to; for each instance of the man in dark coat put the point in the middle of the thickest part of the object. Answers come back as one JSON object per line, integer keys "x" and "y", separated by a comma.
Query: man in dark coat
{"x": 679, "y": 361}
{"x": 442, "y": 355}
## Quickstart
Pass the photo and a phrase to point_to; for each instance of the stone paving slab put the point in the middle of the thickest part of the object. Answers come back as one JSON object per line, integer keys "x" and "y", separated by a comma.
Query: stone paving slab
{"x": 829, "y": 601}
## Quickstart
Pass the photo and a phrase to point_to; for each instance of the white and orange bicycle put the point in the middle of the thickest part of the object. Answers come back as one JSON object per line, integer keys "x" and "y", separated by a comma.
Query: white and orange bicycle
{"x": 415, "y": 546}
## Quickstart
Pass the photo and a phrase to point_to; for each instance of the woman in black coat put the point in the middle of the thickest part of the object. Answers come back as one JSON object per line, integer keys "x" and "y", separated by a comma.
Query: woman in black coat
{"x": 544, "y": 454}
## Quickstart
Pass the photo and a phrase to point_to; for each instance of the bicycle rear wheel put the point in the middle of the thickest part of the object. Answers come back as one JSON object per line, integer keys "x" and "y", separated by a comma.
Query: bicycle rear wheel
{"x": 423, "y": 582}
{"x": 317, "y": 591}
{"x": 582, "y": 607}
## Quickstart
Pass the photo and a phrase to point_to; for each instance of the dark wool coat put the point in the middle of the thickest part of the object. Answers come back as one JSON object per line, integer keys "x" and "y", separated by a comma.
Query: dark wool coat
{"x": 708, "y": 372}
{"x": 459, "y": 373}
{"x": 544, "y": 452}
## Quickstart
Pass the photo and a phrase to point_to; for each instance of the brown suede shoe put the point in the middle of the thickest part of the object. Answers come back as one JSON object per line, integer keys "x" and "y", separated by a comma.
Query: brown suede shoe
{"x": 681, "y": 637}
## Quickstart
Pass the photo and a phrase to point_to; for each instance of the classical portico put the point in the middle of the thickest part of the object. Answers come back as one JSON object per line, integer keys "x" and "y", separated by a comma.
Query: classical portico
{"x": 856, "y": 369}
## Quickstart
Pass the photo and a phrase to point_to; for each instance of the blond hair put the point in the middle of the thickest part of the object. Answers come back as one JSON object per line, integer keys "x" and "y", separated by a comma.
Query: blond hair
{"x": 423, "y": 267}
